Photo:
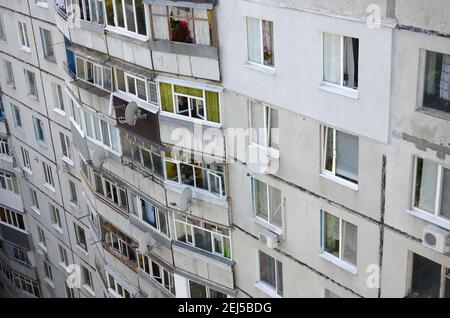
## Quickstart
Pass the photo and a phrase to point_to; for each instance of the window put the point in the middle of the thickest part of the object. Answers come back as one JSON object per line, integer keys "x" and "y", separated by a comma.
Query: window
{"x": 48, "y": 271}
{"x": 264, "y": 124}
{"x": 117, "y": 289}
{"x": 436, "y": 91}
{"x": 47, "y": 44}
{"x": 260, "y": 42}
{"x": 55, "y": 217}
{"x": 136, "y": 86}
{"x": 39, "y": 130}
{"x": 94, "y": 73}
{"x": 190, "y": 102}
{"x": 48, "y": 175}
{"x": 75, "y": 112}
{"x": 271, "y": 273}
{"x": 86, "y": 278}
{"x": 119, "y": 243}
{"x": 23, "y": 36}
{"x": 340, "y": 154}
{"x": 151, "y": 215}
{"x": 159, "y": 273}
{"x": 31, "y": 84}
{"x": 19, "y": 255}
{"x": 339, "y": 238}
{"x": 81, "y": 237}
{"x": 2, "y": 29}
{"x": 267, "y": 203}
{"x": 206, "y": 236}
{"x": 111, "y": 191}
{"x": 25, "y": 158}
{"x": 41, "y": 237}
{"x": 200, "y": 291}
{"x": 181, "y": 24}
{"x": 9, "y": 74}
{"x": 65, "y": 146}
{"x": 432, "y": 188}
{"x": 12, "y": 218}
{"x": 63, "y": 256}
{"x": 16, "y": 116}
{"x": 127, "y": 15}
{"x": 102, "y": 131}
{"x": 69, "y": 291}
{"x": 34, "y": 199}
{"x": 26, "y": 284}
{"x": 429, "y": 279}
{"x": 73, "y": 192}
{"x": 209, "y": 177}
{"x": 340, "y": 60}
{"x": 9, "y": 182}
{"x": 91, "y": 11}
{"x": 4, "y": 147}
{"x": 58, "y": 97}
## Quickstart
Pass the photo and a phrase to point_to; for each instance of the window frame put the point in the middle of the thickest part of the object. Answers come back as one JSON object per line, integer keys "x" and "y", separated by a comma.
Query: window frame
{"x": 261, "y": 63}
{"x": 278, "y": 229}
{"x": 24, "y": 39}
{"x": 267, "y": 286}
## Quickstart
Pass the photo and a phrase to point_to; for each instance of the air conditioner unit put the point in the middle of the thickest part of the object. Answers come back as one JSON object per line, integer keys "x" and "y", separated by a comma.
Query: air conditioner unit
{"x": 436, "y": 238}
{"x": 269, "y": 239}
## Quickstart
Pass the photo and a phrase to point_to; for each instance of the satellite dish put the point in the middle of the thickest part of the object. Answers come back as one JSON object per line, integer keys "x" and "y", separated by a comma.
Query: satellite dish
{"x": 98, "y": 157}
{"x": 185, "y": 200}
{"x": 145, "y": 242}
{"x": 131, "y": 113}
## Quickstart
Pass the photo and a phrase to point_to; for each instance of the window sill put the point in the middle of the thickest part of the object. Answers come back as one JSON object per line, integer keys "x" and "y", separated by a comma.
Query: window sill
{"x": 272, "y": 152}
{"x": 42, "y": 144}
{"x": 27, "y": 170}
{"x": 434, "y": 112}
{"x": 42, "y": 247}
{"x": 50, "y": 187}
{"x": 74, "y": 205}
{"x": 49, "y": 282}
{"x": 6, "y": 158}
{"x": 42, "y": 5}
{"x": 25, "y": 49}
{"x": 426, "y": 216}
{"x": 260, "y": 68}
{"x": 197, "y": 193}
{"x": 345, "y": 183}
{"x": 58, "y": 229}
{"x": 33, "y": 97}
{"x": 67, "y": 160}
{"x": 267, "y": 225}
{"x": 344, "y": 265}
{"x": 11, "y": 85}
{"x": 267, "y": 289}
{"x": 89, "y": 289}
{"x": 66, "y": 268}
{"x": 50, "y": 59}
{"x": 59, "y": 112}
{"x": 82, "y": 250}
{"x": 192, "y": 120}
{"x": 35, "y": 210}
{"x": 339, "y": 90}
{"x": 19, "y": 130}
{"x": 136, "y": 36}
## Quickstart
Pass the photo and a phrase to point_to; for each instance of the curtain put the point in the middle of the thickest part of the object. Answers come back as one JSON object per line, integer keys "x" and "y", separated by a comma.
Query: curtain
{"x": 347, "y": 153}
{"x": 188, "y": 91}
{"x": 260, "y": 190}
{"x": 267, "y": 269}
{"x": 445, "y": 78}
{"x": 254, "y": 40}
{"x": 166, "y": 97}
{"x": 267, "y": 28}
{"x": 257, "y": 123}
{"x": 212, "y": 106}
{"x": 430, "y": 79}
{"x": 202, "y": 32}
{"x": 275, "y": 207}
{"x": 160, "y": 23}
{"x": 332, "y": 58}
{"x": 427, "y": 184}
{"x": 331, "y": 228}
{"x": 445, "y": 198}
{"x": 351, "y": 48}
{"x": 350, "y": 242}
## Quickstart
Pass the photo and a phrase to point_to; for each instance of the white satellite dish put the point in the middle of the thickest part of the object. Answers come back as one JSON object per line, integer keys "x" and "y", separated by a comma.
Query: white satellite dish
{"x": 146, "y": 242}
{"x": 185, "y": 200}
{"x": 132, "y": 113}
{"x": 98, "y": 157}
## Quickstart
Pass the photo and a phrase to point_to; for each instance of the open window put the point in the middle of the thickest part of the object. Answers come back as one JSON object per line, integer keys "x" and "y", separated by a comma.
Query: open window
{"x": 429, "y": 279}
{"x": 436, "y": 89}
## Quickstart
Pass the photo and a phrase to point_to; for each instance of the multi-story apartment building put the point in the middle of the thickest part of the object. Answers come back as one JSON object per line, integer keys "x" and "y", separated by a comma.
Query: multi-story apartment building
{"x": 213, "y": 148}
